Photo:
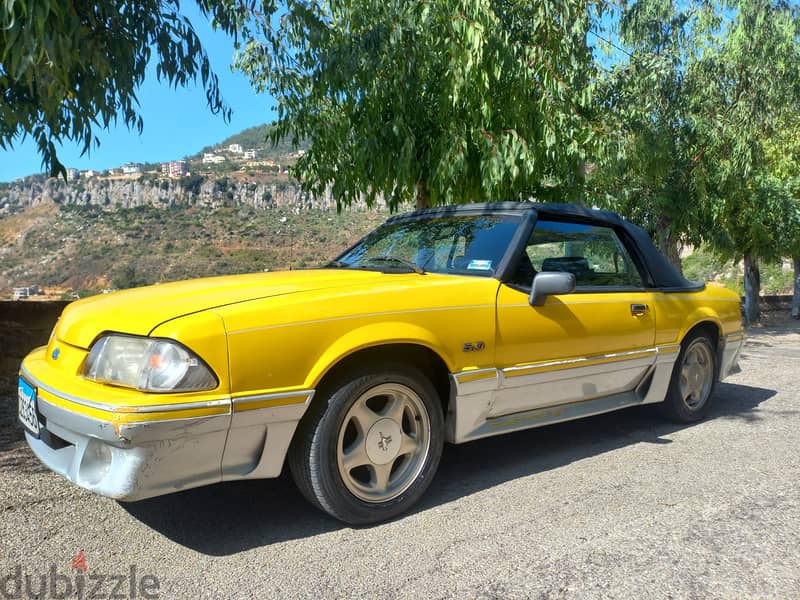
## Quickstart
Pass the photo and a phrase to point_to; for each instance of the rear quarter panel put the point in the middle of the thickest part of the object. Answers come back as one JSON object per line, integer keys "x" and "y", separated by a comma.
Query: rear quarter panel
{"x": 677, "y": 313}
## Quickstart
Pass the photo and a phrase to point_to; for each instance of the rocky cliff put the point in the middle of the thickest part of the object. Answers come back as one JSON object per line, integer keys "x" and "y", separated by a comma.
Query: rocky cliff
{"x": 148, "y": 190}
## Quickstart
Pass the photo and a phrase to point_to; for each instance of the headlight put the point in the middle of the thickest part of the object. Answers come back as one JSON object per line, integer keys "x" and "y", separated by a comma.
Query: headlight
{"x": 151, "y": 365}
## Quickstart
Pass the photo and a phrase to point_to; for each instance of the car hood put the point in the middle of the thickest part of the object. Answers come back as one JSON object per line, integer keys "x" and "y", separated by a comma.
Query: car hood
{"x": 139, "y": 311}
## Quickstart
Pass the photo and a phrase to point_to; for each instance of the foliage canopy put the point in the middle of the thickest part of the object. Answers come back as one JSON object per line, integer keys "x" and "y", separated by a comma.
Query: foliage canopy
{"x": 746, "y": 89}
{"x": 67, "y": 68}
{"x": 446, "y": 101}
{"x": 646, "y": 94}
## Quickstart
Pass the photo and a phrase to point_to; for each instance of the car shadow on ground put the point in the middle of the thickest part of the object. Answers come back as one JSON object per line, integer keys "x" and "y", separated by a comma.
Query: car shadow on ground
{"x": 231, "y": 517}
{"x": 773, "y": 325}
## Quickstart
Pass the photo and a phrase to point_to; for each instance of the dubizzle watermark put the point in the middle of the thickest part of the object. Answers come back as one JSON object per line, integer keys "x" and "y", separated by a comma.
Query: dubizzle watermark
{"x": 79, "y": 583}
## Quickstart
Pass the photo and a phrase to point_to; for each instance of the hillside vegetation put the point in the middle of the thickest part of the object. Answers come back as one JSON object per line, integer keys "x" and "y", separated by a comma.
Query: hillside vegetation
{"x": 704, "y": 265}
{"x": 255, "y": 138}
{"x": 88, "y": 249}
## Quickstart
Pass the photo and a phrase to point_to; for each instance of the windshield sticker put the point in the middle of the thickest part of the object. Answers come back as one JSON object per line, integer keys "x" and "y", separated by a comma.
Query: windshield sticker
{"x": 480, "y": 265}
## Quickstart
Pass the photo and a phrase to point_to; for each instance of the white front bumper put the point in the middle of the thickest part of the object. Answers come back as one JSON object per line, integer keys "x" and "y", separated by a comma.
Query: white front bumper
{"x": 149, "y": 459}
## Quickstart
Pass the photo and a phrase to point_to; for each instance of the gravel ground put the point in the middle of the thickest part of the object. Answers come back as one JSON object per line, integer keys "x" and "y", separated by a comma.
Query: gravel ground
{"x": 621, "y": 505}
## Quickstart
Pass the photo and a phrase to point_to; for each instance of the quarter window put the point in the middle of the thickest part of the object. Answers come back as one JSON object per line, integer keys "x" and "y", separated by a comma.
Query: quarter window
{"x": 594, "y": 254}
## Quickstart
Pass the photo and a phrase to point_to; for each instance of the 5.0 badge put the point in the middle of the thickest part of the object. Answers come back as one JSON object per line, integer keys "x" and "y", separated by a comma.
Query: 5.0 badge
{"x": 473, "y": 346}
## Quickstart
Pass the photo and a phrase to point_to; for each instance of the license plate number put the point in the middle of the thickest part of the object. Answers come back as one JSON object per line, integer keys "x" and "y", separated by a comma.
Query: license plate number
{"x": 27, "y": 406}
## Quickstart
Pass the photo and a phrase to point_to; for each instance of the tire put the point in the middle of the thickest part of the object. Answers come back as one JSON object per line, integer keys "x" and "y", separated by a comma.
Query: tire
{"x": 367, "y": 450}
{"x": 691, "y": 388}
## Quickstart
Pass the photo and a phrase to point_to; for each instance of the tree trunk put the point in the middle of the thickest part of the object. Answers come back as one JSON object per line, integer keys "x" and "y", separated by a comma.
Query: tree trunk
{"x": 796, "y": 296}
{"x": 423, "y": 195}
{"x": 668, "y": 244}
{"x": 752, "y": 287}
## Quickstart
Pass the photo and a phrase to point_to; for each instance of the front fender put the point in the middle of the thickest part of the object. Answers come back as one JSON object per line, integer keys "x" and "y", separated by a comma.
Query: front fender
{"x": 372, "y": 336}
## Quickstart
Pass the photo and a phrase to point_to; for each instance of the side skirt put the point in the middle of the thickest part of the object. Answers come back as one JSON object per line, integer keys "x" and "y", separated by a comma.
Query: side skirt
{"x": 472, "y": 401}
{"x": 555, "y": 414}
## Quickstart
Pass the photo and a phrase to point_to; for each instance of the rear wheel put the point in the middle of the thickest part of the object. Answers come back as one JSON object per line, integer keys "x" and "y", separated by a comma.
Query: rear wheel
{"x": 368, "y": 450}
{"x": 693, "y": 379}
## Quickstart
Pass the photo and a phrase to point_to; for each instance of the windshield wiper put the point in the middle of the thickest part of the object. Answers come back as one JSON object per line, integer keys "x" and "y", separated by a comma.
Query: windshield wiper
{"x": 398, "y": 261}
{"x": 337, "y": 264}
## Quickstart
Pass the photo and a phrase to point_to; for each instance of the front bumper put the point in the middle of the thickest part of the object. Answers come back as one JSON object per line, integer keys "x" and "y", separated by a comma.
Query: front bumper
{"x": 134, "y": 452}
{"x": 130, "y": 461}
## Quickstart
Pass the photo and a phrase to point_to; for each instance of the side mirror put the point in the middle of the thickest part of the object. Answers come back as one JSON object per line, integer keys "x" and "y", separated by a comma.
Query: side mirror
{"x": 548, "y": 283}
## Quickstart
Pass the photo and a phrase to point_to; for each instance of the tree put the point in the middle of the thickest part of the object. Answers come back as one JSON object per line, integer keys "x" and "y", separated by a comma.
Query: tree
{"x": 447, "y": 101}
{"x": 745, "y": 87}
{"x": 783, "y": 150}
{"x": 127, "y": 277}
{"x": 645, "y": 92}
{"x": 794, "y": 246}
{"x": 67, "y": 68}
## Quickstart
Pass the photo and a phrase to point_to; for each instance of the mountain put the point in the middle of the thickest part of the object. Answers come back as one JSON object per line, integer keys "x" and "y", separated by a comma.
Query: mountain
{"x": 120, "y": 229}
{"x": 284, "y": 153}
{"x": 255, "y": 138}
{"x": 83, "y": 249}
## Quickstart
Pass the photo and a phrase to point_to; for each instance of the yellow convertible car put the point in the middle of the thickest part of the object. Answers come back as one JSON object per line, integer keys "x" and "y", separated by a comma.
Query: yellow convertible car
{"x": 443, "y": 325}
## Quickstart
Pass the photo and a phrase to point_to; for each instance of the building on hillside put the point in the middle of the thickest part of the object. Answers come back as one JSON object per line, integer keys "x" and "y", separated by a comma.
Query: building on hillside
{"x": 131, "y": 169}
{"x": 73, "y": 174}
{"x": 267, "y": 165}
{"x": 89, "y": 173}
{"x": 209, "y": 158}
{"x": 22, "y": 293}
{"x": 178, "y": 168}
{"x": 235, "y": 148}
{"x": 175, "y": 168}
{"x": 250, "y": 155}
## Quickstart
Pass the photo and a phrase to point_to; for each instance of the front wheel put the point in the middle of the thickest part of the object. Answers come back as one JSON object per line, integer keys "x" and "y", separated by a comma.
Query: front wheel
{"x": 368, "y": 450}
{"x": 692, "y": 384}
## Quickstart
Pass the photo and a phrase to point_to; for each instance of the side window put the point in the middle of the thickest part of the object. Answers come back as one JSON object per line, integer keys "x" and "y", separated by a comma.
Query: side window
{"x": 594, "y": 254}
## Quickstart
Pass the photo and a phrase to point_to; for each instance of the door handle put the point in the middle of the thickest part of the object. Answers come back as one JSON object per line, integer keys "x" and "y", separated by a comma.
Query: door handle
{"x": 637, "y": 310}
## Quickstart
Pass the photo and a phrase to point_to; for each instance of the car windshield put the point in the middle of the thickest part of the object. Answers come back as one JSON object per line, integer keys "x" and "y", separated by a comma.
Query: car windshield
{"x": 463, "y": 245}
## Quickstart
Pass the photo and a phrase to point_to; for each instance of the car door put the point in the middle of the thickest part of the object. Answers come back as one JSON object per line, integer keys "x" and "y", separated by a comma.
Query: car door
{"x": 595, "y": 342}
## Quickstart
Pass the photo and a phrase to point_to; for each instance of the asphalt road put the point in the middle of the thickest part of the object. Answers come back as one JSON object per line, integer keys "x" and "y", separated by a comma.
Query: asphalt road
{"x": 618, "y": 506}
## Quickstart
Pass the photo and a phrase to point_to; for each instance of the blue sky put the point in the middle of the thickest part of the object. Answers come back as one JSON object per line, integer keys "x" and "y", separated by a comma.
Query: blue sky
{"x": 176, "y": 122}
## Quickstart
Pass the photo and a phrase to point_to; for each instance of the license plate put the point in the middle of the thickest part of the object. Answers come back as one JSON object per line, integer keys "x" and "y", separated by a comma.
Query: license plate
{"x": 27, "y": 407}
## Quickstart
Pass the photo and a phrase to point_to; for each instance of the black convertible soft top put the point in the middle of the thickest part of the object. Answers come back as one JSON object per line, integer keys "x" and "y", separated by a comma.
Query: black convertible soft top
{"x": 662, "y": 273}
